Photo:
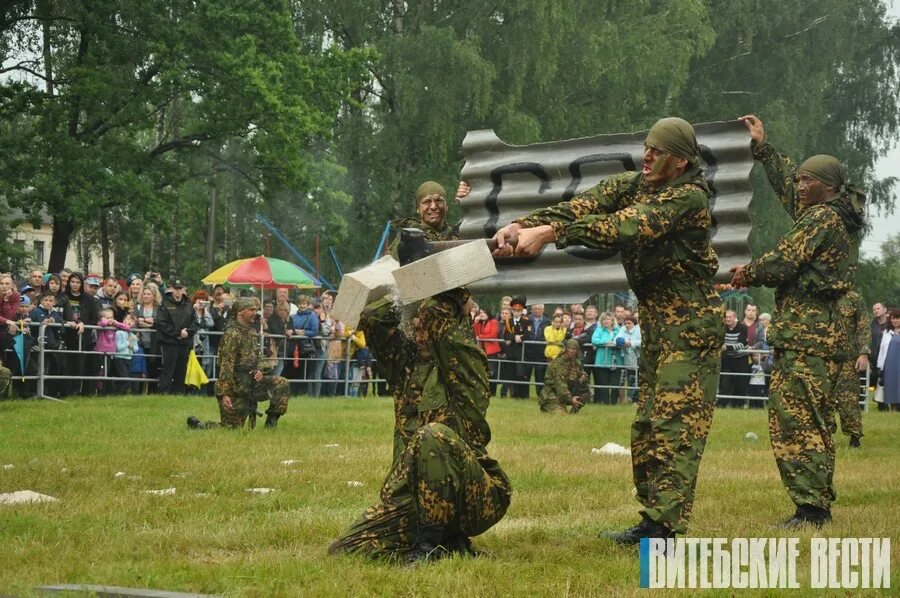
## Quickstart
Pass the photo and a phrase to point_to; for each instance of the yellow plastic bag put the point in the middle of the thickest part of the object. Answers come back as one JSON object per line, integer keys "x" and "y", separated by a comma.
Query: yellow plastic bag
{"x": 195, "y": 376}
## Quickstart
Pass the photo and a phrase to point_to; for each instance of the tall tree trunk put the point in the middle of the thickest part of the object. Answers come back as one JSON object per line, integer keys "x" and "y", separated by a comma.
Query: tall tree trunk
{"x": 104, "y": 242}
{"x": 59, "y": 243}
{"x": 211, "y": 224}
{"x": 44, "y": 8}
{"x": 399, "y": 5}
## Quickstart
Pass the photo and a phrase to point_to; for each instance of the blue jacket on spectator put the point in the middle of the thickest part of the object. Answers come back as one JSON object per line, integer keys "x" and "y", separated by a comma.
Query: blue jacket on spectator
{"x": 606, "y": 355}
{"x": 307, "y": 321}
{"x": 51, "y": 333}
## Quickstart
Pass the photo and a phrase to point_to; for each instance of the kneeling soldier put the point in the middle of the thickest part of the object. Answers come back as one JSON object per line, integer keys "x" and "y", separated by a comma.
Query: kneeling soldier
{"x": 241, "y": 382}
{"x": 565, "y": 384}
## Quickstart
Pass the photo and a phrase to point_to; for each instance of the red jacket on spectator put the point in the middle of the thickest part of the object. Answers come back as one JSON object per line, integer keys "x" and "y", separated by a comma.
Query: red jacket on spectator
{"x": 485, "y": 330}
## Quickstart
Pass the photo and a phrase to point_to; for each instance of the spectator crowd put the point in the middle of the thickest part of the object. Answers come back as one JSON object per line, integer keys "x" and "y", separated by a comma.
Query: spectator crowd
{"x": 138, "y": 335}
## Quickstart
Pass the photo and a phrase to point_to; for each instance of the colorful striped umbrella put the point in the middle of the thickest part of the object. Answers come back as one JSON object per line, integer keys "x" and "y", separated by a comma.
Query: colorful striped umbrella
{"x": 263, "y": 272}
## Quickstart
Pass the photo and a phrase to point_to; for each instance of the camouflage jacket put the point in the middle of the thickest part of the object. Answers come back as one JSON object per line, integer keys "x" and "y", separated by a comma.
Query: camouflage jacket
{"x": 239, "y": 354}
{"x": 562, "y": 375}
{"x": 445, "y": 233}
{"x": 811, "y": 267}
{"x": 854, "y": 325}
{"x": 663, "y": 236}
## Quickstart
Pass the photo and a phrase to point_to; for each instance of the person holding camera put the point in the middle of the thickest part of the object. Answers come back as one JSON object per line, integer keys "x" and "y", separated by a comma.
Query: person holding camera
{"x": 177, "y": 324}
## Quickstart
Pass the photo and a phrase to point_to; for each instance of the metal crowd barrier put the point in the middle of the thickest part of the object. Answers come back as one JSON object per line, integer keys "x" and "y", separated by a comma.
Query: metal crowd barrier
{"x": 349, "y": 371}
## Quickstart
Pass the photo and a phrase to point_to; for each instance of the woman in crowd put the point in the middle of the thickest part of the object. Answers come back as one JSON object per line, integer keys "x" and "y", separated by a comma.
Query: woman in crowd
{"x": 9, "y": 315}
{"x": 203, "y": 316}
{"x": 135, "y": 286}
{"x": 486, "y": 331}
{"x": 889, "y": 364}
{"x": 145, "y": 311}
{"x": 506, "y": 371}
{"x": 80, "y": 310}
{"x": 606, "y": 360}
{"x": 628, "y": 340}
{"x": 334, "y": 369}
{"x": 276, "y": 325}
{"x": 121, "y": 305}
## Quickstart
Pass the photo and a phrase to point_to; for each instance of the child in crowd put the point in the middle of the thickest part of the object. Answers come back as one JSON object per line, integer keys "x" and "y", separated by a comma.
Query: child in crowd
{"x": 45, "y": 313}
{"x": 126, "y": 345}
{"x": 106, "y": 342}
{"x": 554, "y": 335}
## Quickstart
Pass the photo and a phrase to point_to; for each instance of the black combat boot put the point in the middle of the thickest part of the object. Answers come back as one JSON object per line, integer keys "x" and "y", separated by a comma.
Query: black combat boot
{"x": 271, "y": 420}
{"x": 428, "y": 546}
{"x": 807, "y": 515}
{"x": 633, "y": 535}
{"x": 194, "y": 423}
{"x": 854, "y": 442}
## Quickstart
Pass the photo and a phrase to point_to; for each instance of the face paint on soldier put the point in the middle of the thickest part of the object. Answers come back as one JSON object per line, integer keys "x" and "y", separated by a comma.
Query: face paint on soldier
{"x": 660, "y": 167}
{"x": 432, "y": 210}
{"x": 811, "y": 191}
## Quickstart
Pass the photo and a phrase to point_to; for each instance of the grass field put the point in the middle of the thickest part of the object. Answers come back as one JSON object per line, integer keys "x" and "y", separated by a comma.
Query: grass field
{"x": 212, "y": 536}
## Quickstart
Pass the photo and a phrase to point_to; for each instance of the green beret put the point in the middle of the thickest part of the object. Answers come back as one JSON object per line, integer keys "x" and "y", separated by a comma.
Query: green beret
{"x": 242, "y": 303}
{"x": 675, "y": 136}
{"x": 429, "y": 188}
{"x": 824, "y": 168}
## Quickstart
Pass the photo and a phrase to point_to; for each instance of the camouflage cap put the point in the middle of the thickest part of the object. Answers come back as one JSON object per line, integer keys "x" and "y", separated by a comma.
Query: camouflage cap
{"x": 824, "y": 168}
{"x": 242, "y": 303}
{"x": 573, "y": 344}
{"x": 429, "y": 188}
{"x": 675, "y": 136}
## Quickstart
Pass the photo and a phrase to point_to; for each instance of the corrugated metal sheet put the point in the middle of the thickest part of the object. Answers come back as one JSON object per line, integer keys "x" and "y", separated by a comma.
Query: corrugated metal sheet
{"x": 509, "y": 181}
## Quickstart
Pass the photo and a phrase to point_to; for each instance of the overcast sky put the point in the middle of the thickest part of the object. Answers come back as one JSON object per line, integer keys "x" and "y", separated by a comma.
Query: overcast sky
{"x": 883, "y": 225}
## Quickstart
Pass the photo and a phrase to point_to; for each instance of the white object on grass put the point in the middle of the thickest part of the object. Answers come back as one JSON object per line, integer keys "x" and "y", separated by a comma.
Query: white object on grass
{"x": 289, "y": 462}
{"x": 163, "y": 492}
{"x": 611, "y": 448}
{"x": 24, "y": 497}
{"x": 260, "y": 490}
{"x": 750, "y": 437}
{"x": 119, "y": 474}
{"x": 355, "y": 484}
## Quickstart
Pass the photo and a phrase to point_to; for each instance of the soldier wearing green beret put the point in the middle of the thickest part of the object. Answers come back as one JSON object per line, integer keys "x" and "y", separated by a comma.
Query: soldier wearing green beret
{"x": 242, "y": 381}
{"x": 660, "y": 221}
{"x": 443, "y": 486}
{"x": 565, "y": 388}
{"x": 431, "y": 205}
{"x": 811, "y": 268}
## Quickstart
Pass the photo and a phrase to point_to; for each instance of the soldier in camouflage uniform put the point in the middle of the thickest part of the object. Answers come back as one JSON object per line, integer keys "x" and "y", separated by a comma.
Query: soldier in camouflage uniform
{"x": 660, "y": 220}
{"x": 431, "y": 205}
{"x": 565, "y": 383}
{"x": 811, "y": 268}
{"x": 241, "y": 376}
{"x": 443, "y": 487}
{"x": 853, "y": 359}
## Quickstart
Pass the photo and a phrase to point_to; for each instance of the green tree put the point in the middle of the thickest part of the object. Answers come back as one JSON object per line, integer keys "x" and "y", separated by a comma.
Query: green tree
{"x": 116, "y": 100}
{"x": 878, "y": 279}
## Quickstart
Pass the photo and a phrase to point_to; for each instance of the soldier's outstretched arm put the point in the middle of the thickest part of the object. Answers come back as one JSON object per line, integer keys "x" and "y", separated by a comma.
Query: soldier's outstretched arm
{"x": 639, "y": 224}
{"x": 780, "y": 169}
{"x": 601, "y": 199}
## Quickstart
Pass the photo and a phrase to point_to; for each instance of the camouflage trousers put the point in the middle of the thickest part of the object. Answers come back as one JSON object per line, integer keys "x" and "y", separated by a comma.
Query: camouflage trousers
{"x": 674, "y": 415}
{"x": 274, "y": 389}
{"x": 439, "y": 481}
{"x": 801, "y": 403}
{"x": 5, "y": 377}
{"x": 847, "y": 390}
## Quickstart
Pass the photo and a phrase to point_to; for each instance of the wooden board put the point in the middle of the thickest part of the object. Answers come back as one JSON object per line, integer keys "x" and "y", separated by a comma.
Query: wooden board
{"x": 361, "y": 287}
{"x": 445, "y": 270}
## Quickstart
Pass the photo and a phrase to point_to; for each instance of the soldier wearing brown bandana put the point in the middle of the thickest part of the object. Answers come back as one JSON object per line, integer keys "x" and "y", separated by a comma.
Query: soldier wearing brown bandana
{"x": 659, "y": 220}
{"x": 811, "y": 268}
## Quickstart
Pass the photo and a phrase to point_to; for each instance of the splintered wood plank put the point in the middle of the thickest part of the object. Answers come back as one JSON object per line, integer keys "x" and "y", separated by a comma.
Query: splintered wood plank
{"x": 363, "y": 286}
